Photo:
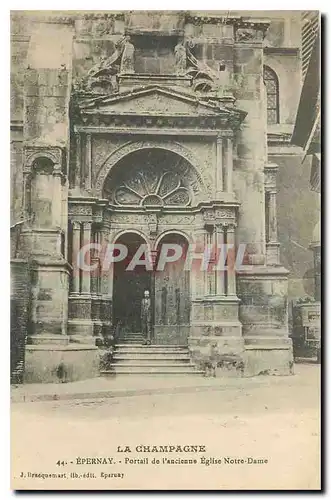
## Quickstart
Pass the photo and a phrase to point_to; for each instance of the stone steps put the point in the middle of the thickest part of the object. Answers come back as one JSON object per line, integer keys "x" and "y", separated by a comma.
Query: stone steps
{"x": 131, "y": 358}
{"x": 131, "y": 338}
{"x": 174, "y": 369}
{"x": 149, "y": 349}
{"x": 145, "y": 359}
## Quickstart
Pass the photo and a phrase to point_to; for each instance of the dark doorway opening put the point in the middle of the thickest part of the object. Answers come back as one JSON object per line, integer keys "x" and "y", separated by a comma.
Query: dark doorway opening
{"x": 129, "y": 288}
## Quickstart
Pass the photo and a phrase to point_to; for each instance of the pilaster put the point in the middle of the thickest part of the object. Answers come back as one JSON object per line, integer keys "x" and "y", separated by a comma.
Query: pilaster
{"x": 272, "y": 244}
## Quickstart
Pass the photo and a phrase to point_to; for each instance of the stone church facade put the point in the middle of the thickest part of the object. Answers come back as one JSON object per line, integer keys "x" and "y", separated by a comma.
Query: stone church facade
{"x": 148, "y": 129}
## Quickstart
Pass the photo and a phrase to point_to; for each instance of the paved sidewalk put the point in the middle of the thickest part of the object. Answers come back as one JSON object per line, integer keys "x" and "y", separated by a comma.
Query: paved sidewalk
{"x": 128, "y": 385}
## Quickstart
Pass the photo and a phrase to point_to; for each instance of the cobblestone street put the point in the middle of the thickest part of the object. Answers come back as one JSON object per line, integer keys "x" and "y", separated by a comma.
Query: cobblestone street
{"x": 276, "y": 421}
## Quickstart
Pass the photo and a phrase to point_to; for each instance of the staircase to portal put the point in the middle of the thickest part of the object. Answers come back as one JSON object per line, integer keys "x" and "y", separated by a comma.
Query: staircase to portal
{"x": 133, "y": 357}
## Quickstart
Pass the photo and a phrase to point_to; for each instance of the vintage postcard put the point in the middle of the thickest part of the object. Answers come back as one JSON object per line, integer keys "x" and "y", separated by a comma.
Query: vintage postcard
{"x": 165, "y": 250}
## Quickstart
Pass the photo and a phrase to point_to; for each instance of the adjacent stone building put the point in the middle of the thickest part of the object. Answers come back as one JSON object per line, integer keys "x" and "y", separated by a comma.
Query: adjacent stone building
{"x": 154, "y": 127}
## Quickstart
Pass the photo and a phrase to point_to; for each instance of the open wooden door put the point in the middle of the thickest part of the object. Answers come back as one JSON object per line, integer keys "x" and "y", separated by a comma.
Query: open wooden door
{"x": 172, "y": 298}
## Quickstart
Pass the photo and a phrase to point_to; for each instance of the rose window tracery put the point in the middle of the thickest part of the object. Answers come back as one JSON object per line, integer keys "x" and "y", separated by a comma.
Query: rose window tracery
{"x": 149, "y": 188}
{"x": 152, "y": 179}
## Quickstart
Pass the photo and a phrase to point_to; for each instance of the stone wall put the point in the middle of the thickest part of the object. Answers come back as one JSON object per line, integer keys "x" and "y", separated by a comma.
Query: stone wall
{"x": 19, "y": 317}
{"x": 298, "y": 212}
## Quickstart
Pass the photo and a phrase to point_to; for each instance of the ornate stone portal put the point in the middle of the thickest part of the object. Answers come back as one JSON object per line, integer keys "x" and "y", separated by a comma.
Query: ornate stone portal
{"x": 162, "y": 156}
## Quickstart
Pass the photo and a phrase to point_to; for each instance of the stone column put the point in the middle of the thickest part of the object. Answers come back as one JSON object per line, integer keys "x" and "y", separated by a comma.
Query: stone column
{"x": 88, "y": 162}
{"x": 272, "y": 245}
{"x": 106, "y": 274}
{"x": 77, "y": 181}
{"x": 229, "y": 165}
{"x": 209, "y": 284}
{"x": 95, "y": 263}
{"x": 86, "y": 275}
{"x": 273, "y": 216}
{"x": 57, "y": 196}
{"x": 219, "y": 272}
{"x": 231, "y": 271}
{"x": 219, "y": 164}
{"x": 75, "y": 251}
{"x": 106, "y": 285}
{"x": 26, "y": 205}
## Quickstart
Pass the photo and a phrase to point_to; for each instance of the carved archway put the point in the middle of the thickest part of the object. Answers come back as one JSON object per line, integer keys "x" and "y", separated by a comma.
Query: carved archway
{"x": 135, "y": 146}
{"x": 153, "y": 178}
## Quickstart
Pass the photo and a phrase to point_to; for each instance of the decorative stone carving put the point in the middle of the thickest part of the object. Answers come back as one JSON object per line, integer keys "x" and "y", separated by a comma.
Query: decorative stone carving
{"x": 180, "y": 58}
{"x": 147, "y": 188}
{"x": 128, "y": 148}
{"x": 102, "y": 76}
{"x": 244, "y": 34}
{"x": 224, "y": 213}
{"x": 152, "y": 224}
{"x": 127, "y": 62}
{"x": 119, "y": 219}
{"x": 104, "y": 26}
{"x": 80, "y": 210}
{"x": 203, "y": 77}
{"x": 33, "y": 153}
{"x": 176, "y": 219}
{"x": 208, "y": 215}
{"x": 250, "y": 31}
{"x": 103, "y": 16}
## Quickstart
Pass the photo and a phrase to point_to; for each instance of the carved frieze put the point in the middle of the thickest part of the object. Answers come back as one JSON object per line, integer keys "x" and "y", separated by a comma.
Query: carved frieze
{"x": 178, "y": 219}
{"x": 224, "y": 213}
{"x": 78, "y": 210}
{"x": 124, "y": 218}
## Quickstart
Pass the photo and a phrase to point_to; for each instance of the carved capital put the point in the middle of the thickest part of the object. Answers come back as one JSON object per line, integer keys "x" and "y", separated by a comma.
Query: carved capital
{"x": 270, "y": 176}
{"x": 87, "y": 225}
{"x": 230, "y": 227}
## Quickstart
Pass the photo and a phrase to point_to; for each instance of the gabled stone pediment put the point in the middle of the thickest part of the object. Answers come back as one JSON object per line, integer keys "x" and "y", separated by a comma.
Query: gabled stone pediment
{"x": 156, "y": 101}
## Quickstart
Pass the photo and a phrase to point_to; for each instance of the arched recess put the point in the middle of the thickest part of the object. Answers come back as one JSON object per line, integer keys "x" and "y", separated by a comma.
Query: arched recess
{"x": 174, "y": 232}
{"x": 134, "y": 146}
{"x": 152, "y": 177}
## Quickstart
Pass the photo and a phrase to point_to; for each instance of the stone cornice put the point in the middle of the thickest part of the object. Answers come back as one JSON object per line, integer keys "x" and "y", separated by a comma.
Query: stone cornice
{"x": 279, "y": 138}
{"x": 129, "y": 123}
{"x": 200, "y": 112}
{"x": 83, "y": 208}
{"x": 287, "y": 51}
{"x": 67, "y": 17}
{"x": 173, "y": 131}
{"x": 70, "y": 18}
{"x": 257, "y": 272}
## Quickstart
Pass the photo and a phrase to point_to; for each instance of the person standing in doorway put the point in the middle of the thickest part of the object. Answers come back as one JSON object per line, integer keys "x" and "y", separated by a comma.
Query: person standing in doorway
{"x": 146, "y": 317}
